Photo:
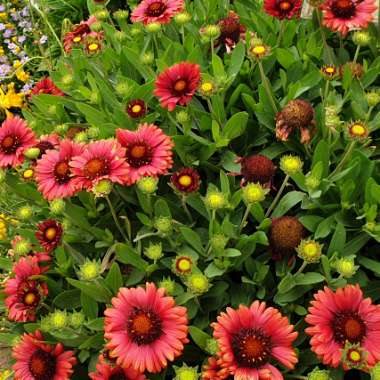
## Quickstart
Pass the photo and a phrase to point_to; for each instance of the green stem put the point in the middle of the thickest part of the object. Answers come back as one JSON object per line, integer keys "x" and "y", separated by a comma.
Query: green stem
{"x": 212, "y": 48}
{"x": 368, "y": 114}
{"x": 278, "y": 196}
{"x": 267, "y": 88}
{"x": 357, "y": 53}
{"x": 245, "y": 217}
{"x": 211, "y": 225}
{"x": 138, "y": 238}
{"x": 116, "y": 220}
{"x": 326, "y": 93}
{"x": 184, "y": 205}
{"x": 301, "y": 268}
{"x": 343, "y": 161}
{"x": 182, "y": 31}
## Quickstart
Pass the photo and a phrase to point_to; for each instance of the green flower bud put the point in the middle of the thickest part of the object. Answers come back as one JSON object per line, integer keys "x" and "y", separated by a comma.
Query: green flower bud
{"x": 52, "y": 110}
{"x": 182, "y": 117}
{"x": 211, "y": 31}
{"x": 164, "y": 225}
{"x": 318, "y": 374}
{"x": 22, "y": 247}
{"x": 135, "y": 30}
{"x": 254, "y": 193}
{"x": 32, "y": 153}
{"x": 97, "y": 26}
{"x": 3, "y": 175}
{"x": 186, "y": 373}
{"x": 373, "y": 98}
{"x": 66, "y": 224}
{"x": 93, "y": 132}
{"x": 182, "y": 18}
{"x": 81, "y": 137}
{"x": 154, "y": 251}
{"x": 58, "y": 319}
{"x": 375, "y": 372}
{"x": 147, "y": 58}
{"x": 215, "y": 200}
{"x": 147, "y": 185}
{"x": 24, "y": 213}
{"x": 168, "y": 284}
{"x": 312, "y": 182}
{"x": 219, "y": 241}
{"x": 121, "y": 15}
{"x": 361, "y": 38}
{"x": 123, "y": 89}
{"x": 198, "y": 283}
{"x": 46, "y": 323}
{"x": 346, "y": 267}
{"x": 291, "y": 164}
{"x": 310, "y": 251}
{"x": 212, "y": 346}
{"x": 67, "y": 80}
{"x": 102, "y": 188}
{"x": 57, "y": 206}
{"x": 90, "y": 270}
{"x": 153, "y": 27}
{"x": 77, "y": 319}
{"x": 61, "y": 129}
{"x": 101, "y": 14}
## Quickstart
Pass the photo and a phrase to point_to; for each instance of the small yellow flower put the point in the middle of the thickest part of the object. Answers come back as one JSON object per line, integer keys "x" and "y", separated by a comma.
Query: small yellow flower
{"x": 28, "y": 174}
{"x": 258, "y": 50}
{"x": 22, "y": 75}
{"x": 291, "y": 164}
{"x": 182, "y": 265}
{"x": 3, "y": 16}
{"x": 207, "y": 88}
{"x": 358, "y": 130}
{"x": 10, "y": 99}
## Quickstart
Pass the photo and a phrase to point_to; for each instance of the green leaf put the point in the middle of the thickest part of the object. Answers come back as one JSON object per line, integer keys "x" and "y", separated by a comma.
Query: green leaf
{"x": 309, "y": 278}
{"x": 285, "y": 57}
{"x": 128, "y": 255}
{"x": 287, "y": 283}
{"x": 338, "y": 240}
{"x": 96, "y": 291}
{"x": 322, "y": 154}
{"x": 114, "y": 279}
{"x": 372, "y": 265}
{"x": 199, "y": 337}
{"x": 237, "y": 59}
{"x": 218, "y": 66}
{"x": 96, "y": 324}
{"x": 69, "y": 299}
{"x": 89, "y": 306}
{"x": 192, "y": 238}
{"x": 287, "y": 202}
{"x": 236, "y": 125}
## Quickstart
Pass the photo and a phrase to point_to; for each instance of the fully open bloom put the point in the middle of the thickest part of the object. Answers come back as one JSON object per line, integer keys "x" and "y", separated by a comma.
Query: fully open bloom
{"x": 343, "y": 317}
{"x": 145, "y": 329}
{"x": 77, "y": 34}
{"x": 15, "y": 138}
{"x": 231, "y": 31}
{"x": 24, "y": 294}
{"x": 177, "y": 84}
{"x": 250, "y": 337}
{"x": 161, "y": 11}
{"x": 36, "y": 360}
{"x": 46, "y": 86}
{"x": 103, "y": 159}
{"x": 344, "y": 15}
{"x": 53, "y": 173}
{"x": 49, "y": 234}
{"x": 148, "y": 151}
{"x": 108, "y": 371}
{"x": 283, "y": 8}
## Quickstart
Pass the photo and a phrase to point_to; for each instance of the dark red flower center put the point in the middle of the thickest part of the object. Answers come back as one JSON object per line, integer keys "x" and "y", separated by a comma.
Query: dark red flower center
{"x": 180, "y": 86}
{"x": 343, "y": 8}
{"x": 139, "y": 154}
{"x": 10, "y": 143}
{"x": 95, "y": 168}
{"x": 156, "y": 9}
{"x": 349, "y": 326}
{"x": 42, "y": 365}
{"x": 62, "y": 172}
{"x": 285, "y": 6}
{"x": 50, "y": 233}
{"x": 43, "y": 146}
{"x": 251, "y": 347}
{"x": 144, "y": 326}
{"x": 119, "y": 375}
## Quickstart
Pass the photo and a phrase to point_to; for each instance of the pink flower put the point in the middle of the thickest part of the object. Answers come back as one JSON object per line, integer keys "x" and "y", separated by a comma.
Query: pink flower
{"x": 46, "y": 86}
{"x": 177, "y": 84}
{"x": 104, "y": 159}
{"x": 148, "y": 151}
{"x": 161, "y": 11}
{"x": 345, "y": 15}
{"x": 145, "y": 329}
{"x": 25, "y": 294}
{"x": 341, "y": 317}
{"x": 15, "y": 138}
{"x": 37, "y": 360}
{"x": 53, "y": 173}
{"x": 109, "y": 371}
{"x": 283, "y": 9}
{"x": 250, "y": 337}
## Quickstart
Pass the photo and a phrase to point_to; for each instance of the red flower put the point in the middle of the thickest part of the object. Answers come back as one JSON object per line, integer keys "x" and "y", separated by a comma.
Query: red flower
{"x": 36, "y": 360}
{"x": 283, "y": 8}
{"x": 25, "y": 294}
{"x": 136, "y": 108}
{"x": 177, "y": 84}
{"x": 76, "y": 36}
{"x": 47, "y": 142}
{"x": 341, "y": 317}
{"x": 231, "y": 31}
{"x": 46, "y": 86}
{"x": 15, "y": 138}
{"x": 49, "y": 234}
{"x": 186, "y": 180}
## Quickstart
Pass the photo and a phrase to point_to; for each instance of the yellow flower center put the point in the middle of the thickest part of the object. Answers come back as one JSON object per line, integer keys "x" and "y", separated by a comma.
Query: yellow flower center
{"x": 28, "y": 173}
{"x": 354, "y": 356}
{"x": 136, "y": 108}
{"x": 259, "y": 50}
{"x": 330, "y": 70}
{"x": 29, "y": 298}
{"x": 93, "y": 47}
{"x": 184, "y": 265}
{"x": 185, "y": 180}
{"x": 77, "y": 39}
{"x": 310, "y": 250}
{"x": 291, "y": 164}
{"x": 207, "y": 87}
{"x": 358, "y": 130}
{"x": 51, "y": 233}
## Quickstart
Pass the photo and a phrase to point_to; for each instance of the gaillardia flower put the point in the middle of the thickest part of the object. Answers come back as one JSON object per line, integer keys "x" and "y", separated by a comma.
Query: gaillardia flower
{"x": 298, "y": 114}
{"x": 76, "y": 36}
{"x": 46, "y": 86}
{"x": 356, "y": 69}
{"x": 177, "y": 84}
{"x": 344, "y": 15}
{"x": 257, "y": 168}
{"x": 49, "y": 234}
{"x": 231, "y": 31}
{"x": 148, "y": 151}
{"x": 106, "y": 370}
{"x": 15, "y": 138}
{"x": 212, "y": 370}
{"x": 186, "y": 180}
{"x": 282, "y": 9}
{"x": 160, "y": 11}
{"x": 358, "y": 130}
{"x": 145, "y": 329}
{"x": 343, "y": 317}
{"x": 37, "y": 360}
{"x": 103, "y": 159}
{"x": 47, "y": 142}
{"x": 24, "y": 294}
{"x": 136, "y": 108}
{"x": 285, "y": 235}
{"x": 249, "y": 338}
{"x": 53, "y": 173}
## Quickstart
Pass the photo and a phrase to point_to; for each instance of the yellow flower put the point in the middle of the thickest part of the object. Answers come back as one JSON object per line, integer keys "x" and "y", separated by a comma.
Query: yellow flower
{"x": 10, "y": 99}
{"x": 3, "y": 16}
{"x": 1, "y": 51}
{"x": 22, "y": 75}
